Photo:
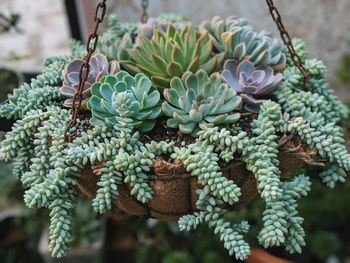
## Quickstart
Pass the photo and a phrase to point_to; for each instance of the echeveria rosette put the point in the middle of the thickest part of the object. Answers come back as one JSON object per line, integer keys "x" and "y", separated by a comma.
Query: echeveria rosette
{"x": 237, "y": 40}
{"x": 171, "y": 54}
{"x": 251, "y": 83}
{"x": 124, "y": 96}
{"x": 199, "y": 99}
{"x": 99, "y": 67}
{"x": 216, "y": 27}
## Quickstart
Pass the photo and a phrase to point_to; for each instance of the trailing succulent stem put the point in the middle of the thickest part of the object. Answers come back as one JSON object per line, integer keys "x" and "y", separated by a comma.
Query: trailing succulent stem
{"x": 39, "y": 94}
{"x": 260, "y": 155}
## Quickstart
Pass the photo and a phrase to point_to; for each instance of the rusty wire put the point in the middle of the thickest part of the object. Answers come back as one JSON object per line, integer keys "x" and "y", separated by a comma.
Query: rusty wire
{"x": 287, "y": 41}
{"x": 85, "y": 67}
{"x": 144, "y": 15}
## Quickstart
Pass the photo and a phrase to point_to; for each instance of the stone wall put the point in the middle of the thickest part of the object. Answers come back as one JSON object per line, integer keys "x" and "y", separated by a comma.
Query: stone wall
{"x": 323, "y": 24}
{"x": 45, "y": 33}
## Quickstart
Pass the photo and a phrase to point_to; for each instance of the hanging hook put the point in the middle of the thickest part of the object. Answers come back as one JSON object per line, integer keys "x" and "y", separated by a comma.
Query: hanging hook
{"x": 144, "y": 15}
{"x": 288, "y": 42}
{"x": 85, "y": 67}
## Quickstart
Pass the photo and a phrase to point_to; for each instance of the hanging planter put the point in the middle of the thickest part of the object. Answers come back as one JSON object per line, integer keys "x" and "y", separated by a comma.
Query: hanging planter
{"x": 180, "y": 123}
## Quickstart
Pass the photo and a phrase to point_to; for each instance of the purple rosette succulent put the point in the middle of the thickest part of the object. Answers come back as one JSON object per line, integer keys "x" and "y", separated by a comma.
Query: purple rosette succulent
{"x": 147, "y": 29}
{"x": 251, "y": 83}
{"x": 99, "y": 67}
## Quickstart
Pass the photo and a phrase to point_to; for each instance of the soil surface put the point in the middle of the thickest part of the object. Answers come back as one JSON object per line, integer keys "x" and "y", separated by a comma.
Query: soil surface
{"x": 161, "y": 132}
{"x": 84, "y": 116}
{"x": 245, "y": 120}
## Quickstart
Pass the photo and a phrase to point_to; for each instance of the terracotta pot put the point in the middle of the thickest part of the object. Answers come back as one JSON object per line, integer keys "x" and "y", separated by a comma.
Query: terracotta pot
{"x": 259, "y": 255}
{"x": 174, "y": 188}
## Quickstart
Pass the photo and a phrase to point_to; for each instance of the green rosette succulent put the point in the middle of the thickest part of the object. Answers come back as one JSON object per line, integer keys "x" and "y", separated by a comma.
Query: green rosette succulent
{"x": 196, "y": 99}
{"x": 124, "y": 96}
{"x": 169, "y": 54}
{"x": 237, "y": 40}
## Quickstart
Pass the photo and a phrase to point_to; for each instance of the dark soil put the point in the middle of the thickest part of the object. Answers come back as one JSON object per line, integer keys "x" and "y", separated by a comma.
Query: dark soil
{"x": 245, "y": 120}
{"x": 83, "y": 116}
{"x": 161, "y": 132}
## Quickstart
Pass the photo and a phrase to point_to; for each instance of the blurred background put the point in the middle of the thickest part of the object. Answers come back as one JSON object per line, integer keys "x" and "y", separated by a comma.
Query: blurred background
{"x": 32, "y": 30}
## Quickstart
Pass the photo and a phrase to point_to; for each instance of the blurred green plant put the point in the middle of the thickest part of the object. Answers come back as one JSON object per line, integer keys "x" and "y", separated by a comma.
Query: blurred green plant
{"x": 9, "y": 80}
{"x": 162, "y": 242}
{"x": 343, "y": 73}
{"x": 8, "y": 22}
{"x": 85, "y": 228}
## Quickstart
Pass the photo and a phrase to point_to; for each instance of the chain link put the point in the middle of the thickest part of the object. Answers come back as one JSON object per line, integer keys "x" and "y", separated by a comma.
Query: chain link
{"x": 144, "y": 15}
{"x": 287, "y": 41}
{"x": 85, "y": 67}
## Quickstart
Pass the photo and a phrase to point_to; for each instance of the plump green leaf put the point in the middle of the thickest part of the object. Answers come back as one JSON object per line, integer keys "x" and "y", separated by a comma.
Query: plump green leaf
{"x": 159, "y": 62}
{"x": 174, "y": 69}
{"x": 206, "y": 46}
{"x": 187, "y": 128}
{"x": 172, "y": 96}
{"x": 178, "y": 86}
{"x": 170, "y": 110}
{"x": 152, "y": 99}
{"x": 195, "y": 115}
{"x": 106, "y": 92}
{"x": 172, "y": 123}
{"x": 147, "y": 125}
{"x": 95, "y": 103}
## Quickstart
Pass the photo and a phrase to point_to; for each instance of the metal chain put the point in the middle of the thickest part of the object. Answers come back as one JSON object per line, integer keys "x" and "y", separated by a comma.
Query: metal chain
{"x": 144, "y": 15}
{"x": 287, "y": 41}
{"x": 85, "y": 67}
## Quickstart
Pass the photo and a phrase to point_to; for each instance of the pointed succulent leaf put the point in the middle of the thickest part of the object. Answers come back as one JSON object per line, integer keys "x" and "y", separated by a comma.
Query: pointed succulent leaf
{"x": 160, "y": 81}
{"x": 174, "y": 69}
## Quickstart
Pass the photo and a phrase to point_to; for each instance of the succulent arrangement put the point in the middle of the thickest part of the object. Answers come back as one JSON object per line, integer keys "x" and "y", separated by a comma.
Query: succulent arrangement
{"x": 230, "y": 95}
